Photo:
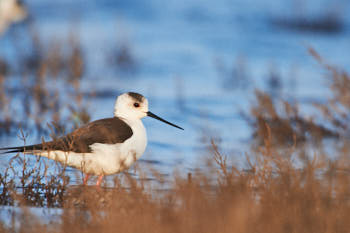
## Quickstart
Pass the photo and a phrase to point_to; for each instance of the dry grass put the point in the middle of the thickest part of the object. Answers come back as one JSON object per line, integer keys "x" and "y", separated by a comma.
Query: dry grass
{"x": 282, "y": 121}
{"x": 49, "y": 77}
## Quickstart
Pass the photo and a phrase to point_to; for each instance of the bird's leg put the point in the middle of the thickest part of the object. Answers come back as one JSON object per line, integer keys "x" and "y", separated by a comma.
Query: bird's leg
{"x": 87, "y": 176}
{"x": 99, "y": 180}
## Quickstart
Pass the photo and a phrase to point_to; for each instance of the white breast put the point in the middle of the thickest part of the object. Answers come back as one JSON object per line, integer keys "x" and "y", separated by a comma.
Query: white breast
{"x": 106, "y": 159}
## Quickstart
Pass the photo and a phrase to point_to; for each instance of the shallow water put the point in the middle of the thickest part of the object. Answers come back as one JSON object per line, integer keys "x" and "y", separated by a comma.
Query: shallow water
{"x": 185, "y": 53}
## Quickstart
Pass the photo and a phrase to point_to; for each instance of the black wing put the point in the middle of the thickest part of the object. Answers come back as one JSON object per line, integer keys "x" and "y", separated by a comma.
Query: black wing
{"x": 107, "y": 131}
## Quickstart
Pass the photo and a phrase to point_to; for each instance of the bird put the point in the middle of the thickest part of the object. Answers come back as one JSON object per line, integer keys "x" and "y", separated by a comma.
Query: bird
{"x": 102, "y": 147}
{"x": 11, "y": 11}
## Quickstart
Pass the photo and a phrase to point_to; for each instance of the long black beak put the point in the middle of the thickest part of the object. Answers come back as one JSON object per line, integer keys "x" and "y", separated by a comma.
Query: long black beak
{"x": 158, "y": 118}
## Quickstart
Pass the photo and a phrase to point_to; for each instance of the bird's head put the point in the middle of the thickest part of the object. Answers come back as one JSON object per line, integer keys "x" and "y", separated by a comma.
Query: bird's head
{"x": 132, "y": 105}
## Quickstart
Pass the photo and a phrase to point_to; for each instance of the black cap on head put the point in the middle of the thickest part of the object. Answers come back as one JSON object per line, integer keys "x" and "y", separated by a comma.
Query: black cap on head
{"x": 136, "y": 96}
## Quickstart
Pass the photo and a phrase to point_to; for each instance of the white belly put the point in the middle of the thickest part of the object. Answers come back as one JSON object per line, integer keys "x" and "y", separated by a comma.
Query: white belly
{"x": 105, "y": 159}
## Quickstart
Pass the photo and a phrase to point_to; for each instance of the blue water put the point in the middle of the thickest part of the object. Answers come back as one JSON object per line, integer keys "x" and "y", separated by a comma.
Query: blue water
{"x": 185, "y": 53}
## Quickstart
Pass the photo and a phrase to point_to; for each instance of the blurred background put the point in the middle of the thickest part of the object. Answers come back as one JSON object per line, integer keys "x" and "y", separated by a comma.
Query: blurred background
{"x": 198, "y": 62}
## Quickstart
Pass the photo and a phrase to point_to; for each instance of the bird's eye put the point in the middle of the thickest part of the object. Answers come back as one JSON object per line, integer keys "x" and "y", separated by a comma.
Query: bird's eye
{"x": 136, "y": 105}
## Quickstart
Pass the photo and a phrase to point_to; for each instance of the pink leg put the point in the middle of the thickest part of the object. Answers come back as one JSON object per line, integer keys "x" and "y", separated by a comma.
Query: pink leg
{"x": 87, "y": 176}
{"x": 99, "y": 180}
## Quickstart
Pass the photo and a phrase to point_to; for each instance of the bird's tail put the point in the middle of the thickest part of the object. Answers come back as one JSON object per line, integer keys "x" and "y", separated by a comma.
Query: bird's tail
{"x": 7, "y": 150}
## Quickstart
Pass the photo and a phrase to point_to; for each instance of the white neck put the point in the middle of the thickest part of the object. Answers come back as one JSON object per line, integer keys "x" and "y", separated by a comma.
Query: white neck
{"x": 129, "y": 117}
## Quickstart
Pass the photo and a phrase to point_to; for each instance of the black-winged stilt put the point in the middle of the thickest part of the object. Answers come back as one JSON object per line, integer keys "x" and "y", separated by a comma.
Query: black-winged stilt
{"x": 102, "y": 147}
